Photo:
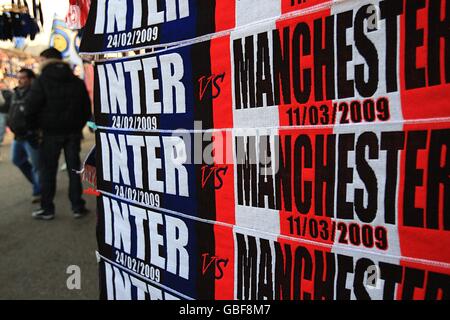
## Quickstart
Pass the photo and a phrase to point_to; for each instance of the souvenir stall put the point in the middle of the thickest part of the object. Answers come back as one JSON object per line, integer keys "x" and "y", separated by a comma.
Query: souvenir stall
{"x": 29, "y": 26}
{"x": 19, "y": 20}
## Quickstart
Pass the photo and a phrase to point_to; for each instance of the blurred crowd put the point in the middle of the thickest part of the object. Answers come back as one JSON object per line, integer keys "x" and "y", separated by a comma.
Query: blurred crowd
{"x": 46, "y": 114}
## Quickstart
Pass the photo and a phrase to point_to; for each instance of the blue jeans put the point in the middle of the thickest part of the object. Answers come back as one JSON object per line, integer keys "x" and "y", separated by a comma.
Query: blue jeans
{"x": 2, "y": 126}
{"x": 26, "y": 158}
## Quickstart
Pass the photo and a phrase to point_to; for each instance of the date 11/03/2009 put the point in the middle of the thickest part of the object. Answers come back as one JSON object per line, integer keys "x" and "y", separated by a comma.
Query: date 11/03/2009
{"x": 355, "y": 234}
{"x": 345, "y": 112}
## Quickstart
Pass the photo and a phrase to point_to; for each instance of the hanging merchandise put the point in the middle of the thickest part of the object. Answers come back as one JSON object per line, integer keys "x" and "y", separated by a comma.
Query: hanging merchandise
{"x": 67, "y": 42}
{"x": 15, "y": 21}
{"x": 6, "y": 26}
{"x": 77, "y": 15}
{"x": 37, "y": 12}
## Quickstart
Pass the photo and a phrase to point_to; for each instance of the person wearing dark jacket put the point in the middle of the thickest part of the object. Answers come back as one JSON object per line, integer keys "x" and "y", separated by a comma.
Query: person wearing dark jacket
{"x": 25, "y": 147}
{"x": 59, "y": 106}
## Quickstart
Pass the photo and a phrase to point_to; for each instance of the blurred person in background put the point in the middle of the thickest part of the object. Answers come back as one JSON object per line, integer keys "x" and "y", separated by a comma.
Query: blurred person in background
{"x": 25, "y": 147}
{"x": 59, "y": 106}
{"x": 5, "y": 99}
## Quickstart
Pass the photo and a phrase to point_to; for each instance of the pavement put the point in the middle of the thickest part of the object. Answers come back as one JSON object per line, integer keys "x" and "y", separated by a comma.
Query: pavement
{"x": 35, "y": 255}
